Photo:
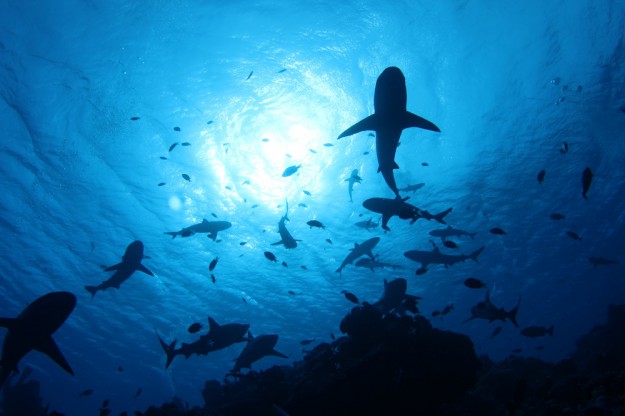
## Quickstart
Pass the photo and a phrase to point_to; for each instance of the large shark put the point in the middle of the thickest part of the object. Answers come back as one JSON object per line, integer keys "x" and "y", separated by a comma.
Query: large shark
{"x": 33, "y": 329}
{"x": 363, "y": 249}
{"x": 131, "y": 262}
{"x": 445, "y": 233}
{"x": 218, "y": 337}
{"x": 486, "y": 310}
{"x": 374, "y": 264}
{"x": 388, "y": 120}
{"x": 286, "y": 238}
{"x": 256, "y": 348}
{"x": 391, "y": 207}
{"x": 395, "y": 298}
{"x": 367, "y": 225}
{"x": 436, "y": 257}
{"x": 210, "y": 227}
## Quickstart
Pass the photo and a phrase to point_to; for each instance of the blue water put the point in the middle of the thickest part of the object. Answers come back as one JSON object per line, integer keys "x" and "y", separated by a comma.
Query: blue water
{"x": 507, "y": 83}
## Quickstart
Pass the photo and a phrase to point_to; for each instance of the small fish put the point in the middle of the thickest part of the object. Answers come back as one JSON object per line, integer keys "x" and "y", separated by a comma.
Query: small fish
{"x": 138, "y": 393}
{"x": 120, "y": 369}
{"x": 425, "y": 164}
{"x": 312, "y": 151}
{"x": 244, "y": 301}
{"x": 246, "y": 182}
{"x": 328, "y": 241}
{"x": 254, "y": 206}
{"x": 284, "y": 264}
{"x": 306, "y": 192}
{"x": 163, "y": 158}
{"x": 135, "y": 118}
{"x": 315, "y": 223}
{"x": 541, "y": 176}
{"x": 173, "y": 146}
{"x": 421, "y": 270}
{"x": 328, "y": 144}
{"x": 496, "y": 332}
{"x": 587, "y": 176}
{"x": 564, "y": 147}
{"x": 447, "y": 309}
{"x": 228, "y": 187}
{"x": 302, "y": 205}
{"x": 307, "y": 341}
{"x": 186, "y": 177}
{"x": 185, "y": 144}
{"x": 556, "y": 216}
{"x": 194, "y": 327}
{"x": 365, "y": 153}
{"x": 242, "y": 243}
{"x": 270, "y": 256}
{"x": 450, "y": 244}
{"x": 332, "y": 336}
{"x": 601, "y": 261}
{"x": 291, "y": 293}
{"x": 304, "y": 267}
{"x": 574, "y": 235}
{"x": 290, "y": 170}
{"x": 497, "y": 231}
{"x": 436, "y": 313}
{"x": 161, "y": 184}
{"x": 86, "y": 393}
{"x": 537, "y": 331}
{"x": 350, "y": 297}
{"x": 250, "y": 75}
{"x": 474, "y": 283}
{"x": 371, "y": 135}
{"x": 282, "y": 70}
{"x": 212, "y": 264}
{"x": 265, "y": 140}
{"x": 176, "y": 128}
{"x": 105, "y": 403}
{"x": 209, "y": 122}
{"x": 213, "y": 278}
{"x": 214, "y": 215}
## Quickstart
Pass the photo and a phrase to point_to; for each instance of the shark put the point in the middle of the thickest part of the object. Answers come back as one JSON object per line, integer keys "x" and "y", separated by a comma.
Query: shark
{"x": 217, "y": 338}
{"x": 389, "y": 119}
{"x": 436, "y": 257}
{"x": 367, "y": 225}
{"x": 414, "y": 188}
{"x": 391, "y": 207}
{"x": 286, "y": 238}
{"x": 210, "y": 227}
{"x": 601, "y": 261}
{"x": 33, "y": 329}
{"x": 363, "y": 249}
{"x": 256, "y": 348}
{"x": 374, "y": 264}
{"x": 131, "y": 262}
{"x": 394, "y": 297}
{"x": 445, "y": 233}
{"x": 486, "y": 310}
{"x": 353, "y": 178}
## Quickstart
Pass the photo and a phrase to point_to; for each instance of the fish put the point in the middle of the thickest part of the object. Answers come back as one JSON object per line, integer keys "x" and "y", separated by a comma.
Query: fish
{"x": 474, "y": 283}
{"x": 282, "y": 70}
{"x": 497, "y": 231}
{"x": 388, "y": 120}
{"x": 135, "y": 118}
{"x": 284, "y": 264}
{"x": 161, "y": 184}
{"x": 556, "y": 216}
{"x": 564, "y": 147}
{"x": 286, "y": 239}
{"x": 209, "y": 227}
{"x": 131, "y": 262}
{"x": 312, "y": 151}
{"x": 574, "y": 235}
{"x": 185, "y": 144}
{"x": 138, "y": 393}
{"x": 291, "y": 293}
{"x": 256, "y": 348}
{"x": 302, "y": 205}
{"x": 254, "y": 206}
{"x": 176, "y": 128}
{"x": 391, "y": 207}
{"x": 250, "y": 75}
{"x": 541, "y": 176}
{"x": 447, "y": 309}
{"x": 487, "y": 310}
{"x": 601, "y": 261}
{"x": 367, "y": 263}
{"x": 450, "y": 244}
{"x": 270, "y": 256}
{"x": 86, "y": 393}
{"x": 363, "y": 249}
{"x": 120, "y": 369}
{"x": 304, "y": 267}
{"x": 436, "y": 257}
{"x": 445, "y": 233}
{"x": 173, "y": 146}
{"x": 496, "y": 332}
{"x": 163, "y": 158}
{"x": 290, "y": 170}
{"x": 353, "y": 178}
{"x": 194, "y": 327}
{"x": 213, "y": 263}
{"x": 328, "y": 241}
{"x": 186, "y": 177}
{"x": 213, "y": 278}
{"x": 365, "y": 153}
{"x": 413, "y": 188}
{"x": 32, "y": 329}
{"x": 368, "y": 225}
{"x": 328, "y": 144}
{"x": 209, "y": 122}
{"x": 537, "y": 331}
{"x": 316, "y": 224}
{"x": 217, "y": 338}
{"x": 265, "y": 140}
{"x": 587, "y": 176}
{"x": 306, "y": 192}
{"x": 421, "y": 270}
{"x": 350, "y": 297}
{"x": 242, "y": 243}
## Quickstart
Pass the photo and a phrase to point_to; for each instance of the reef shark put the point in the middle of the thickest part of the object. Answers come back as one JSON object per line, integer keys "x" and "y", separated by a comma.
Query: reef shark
{"x": 391, "y": 207}
{"x": 210, "y": 227}
{"x": 286, "y": 238}
{"x": 218, "y": 337}
{"x": 394, "y": 297}
{"x": 374, "y": 264}
{"x": 353, "y": 178}
{"x": 367, "y": 225}
{"x": 33, "y": 329}
{"x": 486, "y": 310}
{"x": 131, "y": 262}
{"x": 256, "y": 348}
{"x": 436, "y": 257}
{"x": 444, "y": 233}
{"x": 363, "y": 249}
{"x": 388, "y": 120}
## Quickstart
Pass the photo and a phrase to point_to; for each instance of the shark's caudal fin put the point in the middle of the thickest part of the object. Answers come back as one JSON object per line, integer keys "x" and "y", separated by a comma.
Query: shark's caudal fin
{"x": 49, "y": 348}
{"x": 413, "y": 120}
{"x": 169, "y": 349}
{"x": 439, "y": 217}
{"x": 365, "y": 124}
{"x": 473, "y": 256}
{"x": 92, "y": 289}
{"x": 173, "y": 234}
{"x": 512, "y": 315}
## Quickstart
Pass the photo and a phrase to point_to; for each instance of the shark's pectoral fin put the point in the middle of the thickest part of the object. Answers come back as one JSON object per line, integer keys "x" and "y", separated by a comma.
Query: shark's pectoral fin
{"x": 365, "y": 124}
{"x": 114, "y": 267}
{"x": 413, "y": 120}
{"x": 371, "y": 256}
{"x": 145, "y": 270}
{"x": 277, "y": 354}
{"x": 278, "y": 243}
{"x": 393, "y": 166}
{"x": 385, "y": 218}
{"x": 49, "y": 348}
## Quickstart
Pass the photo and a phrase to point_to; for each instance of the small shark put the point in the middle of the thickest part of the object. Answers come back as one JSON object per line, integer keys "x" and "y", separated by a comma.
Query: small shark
{"x": 388, "y": 120}
{"x": 287, "y": 239}
{"x": 413, "y": 188}
{"x": 218, "y": 337}
{"x": 353, "y": 178}
{"x": 394, "y": 297}
{"x": 486, "y": 310}
{"x": 256, "y": 348}
{"x": 131, "y": 262}
{"x": 436, "y": 257}
{"x": 33, "y": 329}
{"x": 367, "y": 225}
{"x": 360, "y": 250}
{"x": 601, "y": 261}
{"x": 374, "y": 264}
{"x": 391, "y": 207}
{"x": 210, "y": 227}
{"x": 445, "y": 233}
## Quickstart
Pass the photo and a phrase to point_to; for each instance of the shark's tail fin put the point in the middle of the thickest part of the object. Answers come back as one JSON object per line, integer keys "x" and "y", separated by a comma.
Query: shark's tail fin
{"x": 169, "y": 349}
{"x": 513, "y": 312}
{"x": 92, "y": 289}
{"x": 172, "y": 233}
{"x": 439, "y": 217}
{"x": 473, "y": 256}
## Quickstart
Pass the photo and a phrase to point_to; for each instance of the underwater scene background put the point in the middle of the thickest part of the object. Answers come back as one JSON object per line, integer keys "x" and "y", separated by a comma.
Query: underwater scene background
{"x": 125, "y": 121}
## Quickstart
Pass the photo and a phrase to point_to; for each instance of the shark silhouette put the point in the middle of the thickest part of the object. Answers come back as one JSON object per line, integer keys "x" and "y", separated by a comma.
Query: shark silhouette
{"x": 286, "y": 238}
{"x": 218, "y": 337}
{"x": 391, "y": 207}
{"x": 33, "y": 329}
{"x": 394, "y": 297}
{"x": 363, "y": 249}
{"x": 388, "y": 120}
{"x": 353, "y": 178}
{"x": 256, "y": 348}
{"x": 367, "y": 225}
{"x": 374, "y": 264}
{"x": 436, "y": 257}
{"x": 210, "y": 227}
{"x": 486, "y": 310}
{"x": 131, "y": 262}
{"x": 445, "y": 233}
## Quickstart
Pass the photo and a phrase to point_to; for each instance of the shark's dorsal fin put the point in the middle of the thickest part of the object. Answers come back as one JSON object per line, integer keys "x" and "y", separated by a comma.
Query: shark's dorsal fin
{"x": 212, "y": 324}
{"x": 49, "y": 348}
